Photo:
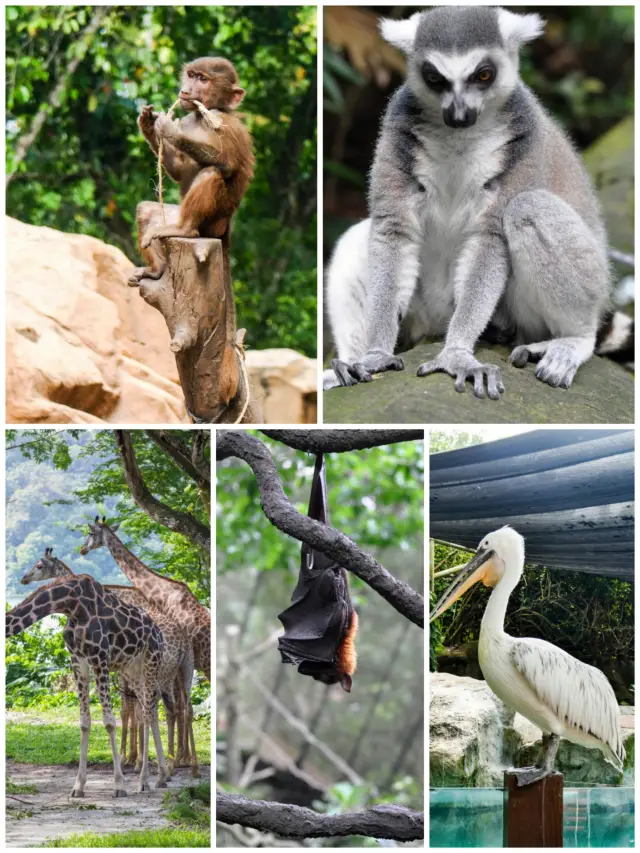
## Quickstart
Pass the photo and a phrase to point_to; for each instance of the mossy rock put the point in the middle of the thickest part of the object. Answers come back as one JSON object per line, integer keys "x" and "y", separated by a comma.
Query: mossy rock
{"x": 602, "y": 393}
{"x": 610, "y": 160}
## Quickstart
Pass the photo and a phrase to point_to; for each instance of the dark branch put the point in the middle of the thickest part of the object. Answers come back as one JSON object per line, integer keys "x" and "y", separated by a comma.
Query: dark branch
{"x": 191, "y": 460}
{"x": 341, "y": 440}
{"x": 387, "y": 821}
{"x": 180, "y": 522}
{"x": 322, "y": 537}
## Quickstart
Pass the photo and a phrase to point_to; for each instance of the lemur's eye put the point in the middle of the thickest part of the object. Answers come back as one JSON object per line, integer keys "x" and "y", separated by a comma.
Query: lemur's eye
{"x": 484, "y": 75}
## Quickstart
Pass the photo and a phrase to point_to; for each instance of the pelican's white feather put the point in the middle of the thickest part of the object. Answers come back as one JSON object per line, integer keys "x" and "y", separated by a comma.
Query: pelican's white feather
{"x": 579, "y": 695}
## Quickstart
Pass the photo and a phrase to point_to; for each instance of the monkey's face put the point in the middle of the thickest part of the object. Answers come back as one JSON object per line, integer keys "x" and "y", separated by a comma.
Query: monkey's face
{"x": 196, "y": 86}
{"x": 212, "y": 81}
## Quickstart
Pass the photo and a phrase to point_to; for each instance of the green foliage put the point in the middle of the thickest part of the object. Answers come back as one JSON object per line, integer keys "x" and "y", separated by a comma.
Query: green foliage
{"x": 34, "y": 660}
{"x": 173, "y": 837}
{"x": 89, "y": 166}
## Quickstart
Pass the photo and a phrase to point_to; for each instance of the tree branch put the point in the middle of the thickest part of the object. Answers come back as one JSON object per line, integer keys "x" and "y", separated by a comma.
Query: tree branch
{"x": 191, "y": 460}
{"x": 322, "y": 537}
{"x": 180, "y": 522}
{"x": 386, "y": 821}
{"x": 341, "y": 440}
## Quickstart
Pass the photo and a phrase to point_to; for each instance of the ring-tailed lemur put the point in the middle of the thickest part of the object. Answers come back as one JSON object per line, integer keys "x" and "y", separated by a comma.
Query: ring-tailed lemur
{"x": 483, "y": 218}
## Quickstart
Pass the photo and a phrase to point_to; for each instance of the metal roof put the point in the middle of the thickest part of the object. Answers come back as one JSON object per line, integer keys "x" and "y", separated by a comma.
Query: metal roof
{"x": 570, "y": 493}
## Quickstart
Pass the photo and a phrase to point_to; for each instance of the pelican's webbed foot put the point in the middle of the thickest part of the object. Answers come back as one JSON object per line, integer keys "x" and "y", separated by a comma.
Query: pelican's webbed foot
{"x": 529, "y": 775}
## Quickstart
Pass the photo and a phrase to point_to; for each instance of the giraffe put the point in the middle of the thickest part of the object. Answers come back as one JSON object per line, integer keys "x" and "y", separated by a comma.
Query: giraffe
{"x": 102, "y": 633}
{"x": 173, "y": 598}
{"x": 174, "y": 676}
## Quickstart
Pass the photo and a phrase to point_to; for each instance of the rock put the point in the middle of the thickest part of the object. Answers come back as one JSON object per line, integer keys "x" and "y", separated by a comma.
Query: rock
{"x": 610, "y": 160}
{"x": 285, "y": 385}
{"x": 602, "y": 392}
{"x": 82, "y": 347}
{"x": 474, "y": 738}
{"x": 471, "y": 733}
{"x": 580, "y": 766}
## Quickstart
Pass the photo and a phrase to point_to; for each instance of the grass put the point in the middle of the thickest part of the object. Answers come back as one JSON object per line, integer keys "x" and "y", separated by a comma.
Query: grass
{"x": 55, "y": 739}
{"x": 170, "y": 837}
{"x": 12, "y": 788}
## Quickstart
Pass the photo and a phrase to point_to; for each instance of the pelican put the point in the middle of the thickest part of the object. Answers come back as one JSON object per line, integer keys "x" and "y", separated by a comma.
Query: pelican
{"x": 561, "y": 695}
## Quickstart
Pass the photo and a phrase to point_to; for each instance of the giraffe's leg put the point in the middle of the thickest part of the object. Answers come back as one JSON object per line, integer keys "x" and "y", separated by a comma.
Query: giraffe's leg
{"x": 124, "y": 720}
{"x": 168, "y": 700}
{"x": 187, "y": 680}
{"x": 81, "y": 673}
{"x": 103, "y": 685}
{"x": 138, "y": 735}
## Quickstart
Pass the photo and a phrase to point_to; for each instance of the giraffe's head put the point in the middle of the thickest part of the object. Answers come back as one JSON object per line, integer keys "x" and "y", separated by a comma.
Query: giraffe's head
{"x": 47, "y": 567}
{"x": 97, "y": 535}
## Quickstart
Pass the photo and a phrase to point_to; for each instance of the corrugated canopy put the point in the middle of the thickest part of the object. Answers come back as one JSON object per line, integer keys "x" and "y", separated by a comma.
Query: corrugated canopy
{"x": 568, "y": 492}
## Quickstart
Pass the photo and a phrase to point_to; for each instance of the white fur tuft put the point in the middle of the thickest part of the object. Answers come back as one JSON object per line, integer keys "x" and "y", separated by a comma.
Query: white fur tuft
{"x": 519, "y": 29}
{"x": 400, "y": 34}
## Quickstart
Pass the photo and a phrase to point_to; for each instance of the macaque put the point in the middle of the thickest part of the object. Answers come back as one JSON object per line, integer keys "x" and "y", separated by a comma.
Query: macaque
{"x": 212, "y": 167}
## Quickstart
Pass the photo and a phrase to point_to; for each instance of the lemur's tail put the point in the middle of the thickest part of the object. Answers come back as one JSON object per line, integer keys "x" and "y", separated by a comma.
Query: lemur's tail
{"x": 616, "y": 337}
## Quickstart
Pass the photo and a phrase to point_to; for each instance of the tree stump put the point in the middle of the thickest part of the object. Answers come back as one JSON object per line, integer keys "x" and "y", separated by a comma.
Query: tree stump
{"x": 198, "y": 306}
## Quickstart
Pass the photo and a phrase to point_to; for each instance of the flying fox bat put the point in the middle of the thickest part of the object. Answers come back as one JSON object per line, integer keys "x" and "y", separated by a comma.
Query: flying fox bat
{"x": 320, "y": 624}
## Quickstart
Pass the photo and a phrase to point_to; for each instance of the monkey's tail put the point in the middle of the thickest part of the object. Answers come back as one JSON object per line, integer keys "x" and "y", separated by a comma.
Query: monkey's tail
{"x": 616, "y": 338}
{"x": 228, "y": 284}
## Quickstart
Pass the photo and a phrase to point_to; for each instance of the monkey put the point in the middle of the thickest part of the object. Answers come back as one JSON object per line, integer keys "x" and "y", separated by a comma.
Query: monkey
{"x": 212, "y": 167}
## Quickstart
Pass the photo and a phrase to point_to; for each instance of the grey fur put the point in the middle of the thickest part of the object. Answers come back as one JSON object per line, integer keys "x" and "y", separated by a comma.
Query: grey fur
{"x": 493, "y": 223}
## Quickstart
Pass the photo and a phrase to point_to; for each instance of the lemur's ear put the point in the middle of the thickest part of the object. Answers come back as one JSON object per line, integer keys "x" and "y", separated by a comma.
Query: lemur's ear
{"x": 519, "y": 29}
{"x": 400, "y": 34}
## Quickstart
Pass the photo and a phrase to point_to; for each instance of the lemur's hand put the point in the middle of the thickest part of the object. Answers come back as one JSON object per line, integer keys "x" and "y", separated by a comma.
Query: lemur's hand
{"x": 375, "y": 361}
{"x": 462, "y": 365}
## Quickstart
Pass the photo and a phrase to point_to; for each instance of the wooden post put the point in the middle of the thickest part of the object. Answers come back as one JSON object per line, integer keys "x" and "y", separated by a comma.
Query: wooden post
{"x": 532, "y": 814}
{"x": 199, "y": 310}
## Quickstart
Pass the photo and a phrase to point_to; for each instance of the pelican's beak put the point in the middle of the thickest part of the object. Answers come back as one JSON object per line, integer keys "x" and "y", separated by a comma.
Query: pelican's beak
{"x": 473, "y": 572}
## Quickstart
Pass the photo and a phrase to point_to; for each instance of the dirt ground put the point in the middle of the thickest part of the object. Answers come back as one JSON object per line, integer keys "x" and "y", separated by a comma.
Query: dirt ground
{"x": 33, "y": 819}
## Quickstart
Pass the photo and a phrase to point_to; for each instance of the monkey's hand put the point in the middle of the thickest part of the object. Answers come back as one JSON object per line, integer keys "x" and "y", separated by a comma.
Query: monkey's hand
{"x": 147, "y": 118}
{"x": 461, "y": 364}
{"x": 375, "y": 361}
{"x": 165, "y": 127}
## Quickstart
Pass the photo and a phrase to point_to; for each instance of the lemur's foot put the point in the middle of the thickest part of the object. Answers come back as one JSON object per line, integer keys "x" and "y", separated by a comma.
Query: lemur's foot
{"x": 362, "y": 371}
{"x": 462, "y": 366}
{"x": 349, "y": 374}
{"x": 557, "y": 360}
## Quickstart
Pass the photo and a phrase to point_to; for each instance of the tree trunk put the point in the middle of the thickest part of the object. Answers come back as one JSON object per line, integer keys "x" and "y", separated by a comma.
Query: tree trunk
{"x": 199, "y": 309}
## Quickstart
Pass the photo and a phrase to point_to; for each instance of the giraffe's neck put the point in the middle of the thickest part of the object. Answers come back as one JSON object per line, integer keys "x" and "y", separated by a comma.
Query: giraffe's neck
{"x": 155, "y": 588}
{"x": 61, "y": 570}
{"x": 54, "y": 598}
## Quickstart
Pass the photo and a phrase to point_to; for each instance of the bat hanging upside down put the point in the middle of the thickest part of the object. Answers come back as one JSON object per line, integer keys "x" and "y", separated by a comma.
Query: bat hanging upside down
{"x": 320, "y": 624}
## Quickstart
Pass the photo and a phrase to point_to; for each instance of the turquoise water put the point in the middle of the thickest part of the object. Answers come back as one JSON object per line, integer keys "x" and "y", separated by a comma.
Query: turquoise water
{"x": 472, "y": 817}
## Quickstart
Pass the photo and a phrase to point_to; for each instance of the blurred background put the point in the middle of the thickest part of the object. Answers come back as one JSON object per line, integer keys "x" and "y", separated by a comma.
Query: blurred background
{"x": 376, "y": 498}
{"x": 581, "y": 69}
{"x": 77, "y": 163}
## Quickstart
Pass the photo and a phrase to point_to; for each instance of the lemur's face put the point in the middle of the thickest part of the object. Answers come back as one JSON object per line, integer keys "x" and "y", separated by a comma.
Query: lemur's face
{"x": 462, "y": 61}
{"x": 460, "y": 86}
